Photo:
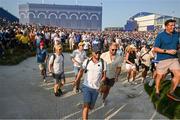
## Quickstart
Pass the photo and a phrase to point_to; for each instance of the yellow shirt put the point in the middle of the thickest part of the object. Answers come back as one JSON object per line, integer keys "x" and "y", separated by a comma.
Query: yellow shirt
{"x": 18, "y": 37}
{"x": 24, "y": 39}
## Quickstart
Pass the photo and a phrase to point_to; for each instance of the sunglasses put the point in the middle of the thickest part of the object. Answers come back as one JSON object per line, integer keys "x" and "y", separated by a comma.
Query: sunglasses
{"x": 113, "y": 49}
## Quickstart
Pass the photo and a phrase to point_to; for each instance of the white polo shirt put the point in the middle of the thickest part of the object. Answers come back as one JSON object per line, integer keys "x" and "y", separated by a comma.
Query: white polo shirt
{"x": 93, "y": 75}
{"x": 112, "y": 64}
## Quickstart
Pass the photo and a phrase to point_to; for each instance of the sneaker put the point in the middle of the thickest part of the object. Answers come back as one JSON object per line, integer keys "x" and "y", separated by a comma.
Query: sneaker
{"x": 173, "y": 96}
{"x": 56, "y": 94}
{"x": 77, "y": 91}
{"x": 151, "y": 83}
{"x": 157, "y": 95}
{"x": 74, "y": 89}
{"x": 104, "y": 103}
{"x": 134, "y": 83}
{"x": 45, "y": 80}
{"x": 60, "y": 91}
{"x": 131, "y": 80}
{"x": 142, "y": 80}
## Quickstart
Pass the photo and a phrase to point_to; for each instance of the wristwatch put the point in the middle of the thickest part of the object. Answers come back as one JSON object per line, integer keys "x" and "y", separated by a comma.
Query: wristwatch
{"x": 164, "y": 50}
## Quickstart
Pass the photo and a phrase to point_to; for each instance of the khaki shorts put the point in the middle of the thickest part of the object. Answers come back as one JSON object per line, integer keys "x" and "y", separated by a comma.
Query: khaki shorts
{"x": 169, "y": 64}
{"x": 42, "y": 66}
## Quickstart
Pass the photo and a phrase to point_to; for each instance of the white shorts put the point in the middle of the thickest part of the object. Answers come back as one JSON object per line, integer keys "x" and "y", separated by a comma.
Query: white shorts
{"x": 129, "y": 66}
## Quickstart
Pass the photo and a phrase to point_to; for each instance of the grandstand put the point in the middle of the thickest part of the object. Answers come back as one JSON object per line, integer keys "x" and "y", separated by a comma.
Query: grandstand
{"x": 6, "y": 16}
{"x": 68, "y": 16}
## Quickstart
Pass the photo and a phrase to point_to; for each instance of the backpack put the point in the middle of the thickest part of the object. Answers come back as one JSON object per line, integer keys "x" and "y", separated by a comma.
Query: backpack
{"x": 62, "y": 74}
{"x": 102, "y": 61}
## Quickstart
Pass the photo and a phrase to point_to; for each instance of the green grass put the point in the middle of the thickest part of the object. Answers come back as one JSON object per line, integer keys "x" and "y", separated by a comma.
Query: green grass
{"x": 15, "y": 57}
{"x": 164, "y": 105}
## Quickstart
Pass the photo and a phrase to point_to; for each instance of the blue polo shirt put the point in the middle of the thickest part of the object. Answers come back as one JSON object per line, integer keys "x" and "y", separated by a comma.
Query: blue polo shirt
{"x": 166, "y": 41}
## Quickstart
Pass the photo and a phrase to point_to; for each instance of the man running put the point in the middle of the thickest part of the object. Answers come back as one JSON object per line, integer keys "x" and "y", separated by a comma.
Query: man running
{"x": 114, "y": 63}
{"x": 95, "y": 72}
{"x": 166, "y": 46}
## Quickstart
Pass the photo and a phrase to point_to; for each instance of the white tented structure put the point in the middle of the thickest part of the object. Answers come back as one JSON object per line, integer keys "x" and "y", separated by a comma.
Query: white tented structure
{"x": 146, "y": 23}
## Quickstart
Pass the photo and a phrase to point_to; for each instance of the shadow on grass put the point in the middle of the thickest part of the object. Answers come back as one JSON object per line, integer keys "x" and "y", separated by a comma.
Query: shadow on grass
{"x": 164, "y": 105}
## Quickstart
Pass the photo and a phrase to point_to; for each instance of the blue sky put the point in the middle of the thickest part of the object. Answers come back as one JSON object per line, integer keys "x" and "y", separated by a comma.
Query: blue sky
{"x": 115, "y": 12}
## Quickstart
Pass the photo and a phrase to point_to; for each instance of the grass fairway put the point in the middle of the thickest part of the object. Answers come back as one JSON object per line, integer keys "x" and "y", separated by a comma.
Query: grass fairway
{"x": 165, "y": 106}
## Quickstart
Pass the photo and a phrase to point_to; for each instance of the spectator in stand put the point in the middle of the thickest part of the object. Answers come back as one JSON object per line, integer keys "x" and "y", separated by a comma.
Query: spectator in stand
{"x": 57, "y": 39}
{"x": 25, "y": 40}
{"x": 38, "y": 40}
{"x": 47, "y": 37}
{"x": 71, "y": 41}
{"x": 78, "y": 38}
{"x": 32, "y": 39}
{"x": 87, "y": 46}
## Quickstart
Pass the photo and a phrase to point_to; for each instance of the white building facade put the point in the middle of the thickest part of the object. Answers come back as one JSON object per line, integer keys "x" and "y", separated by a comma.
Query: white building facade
{"x": 146, "y": 23}
{"x": 152, "y": 21}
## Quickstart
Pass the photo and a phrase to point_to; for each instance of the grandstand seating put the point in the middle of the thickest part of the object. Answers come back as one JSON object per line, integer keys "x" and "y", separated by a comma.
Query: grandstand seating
{"x": 7, "y": 16}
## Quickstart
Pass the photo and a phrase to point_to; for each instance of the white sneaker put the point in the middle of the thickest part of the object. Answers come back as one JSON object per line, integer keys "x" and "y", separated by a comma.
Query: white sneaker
{"x": 45, "y": 80}
{"x": 142, "y": 80}
{"x": 131, "y": 80}
{"x": 104, "y": 103}
{"x": 135, "y": 83}
{"x": 151, "y": 82}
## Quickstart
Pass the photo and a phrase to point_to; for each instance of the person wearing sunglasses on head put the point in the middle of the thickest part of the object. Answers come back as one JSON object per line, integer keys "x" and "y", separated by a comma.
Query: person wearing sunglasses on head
{"x": 114, "y": 63}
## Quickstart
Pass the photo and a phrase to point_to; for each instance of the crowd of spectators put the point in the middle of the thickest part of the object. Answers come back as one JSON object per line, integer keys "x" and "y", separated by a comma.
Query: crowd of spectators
{"x": 15, "y": 35}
